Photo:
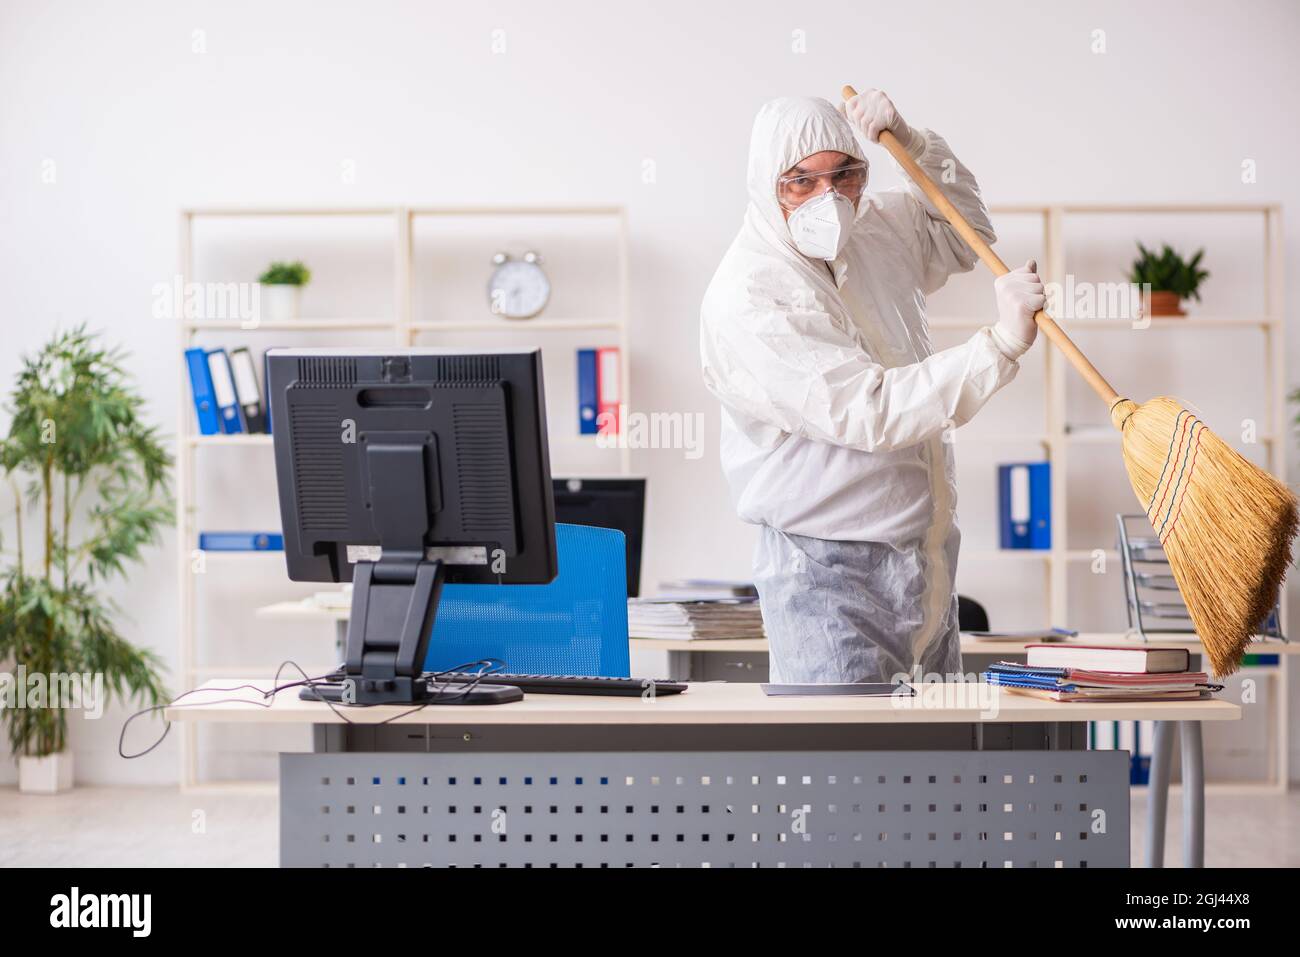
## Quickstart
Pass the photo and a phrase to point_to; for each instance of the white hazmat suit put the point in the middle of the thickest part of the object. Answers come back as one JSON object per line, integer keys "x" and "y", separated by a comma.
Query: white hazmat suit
{"x": 835, "y": 408}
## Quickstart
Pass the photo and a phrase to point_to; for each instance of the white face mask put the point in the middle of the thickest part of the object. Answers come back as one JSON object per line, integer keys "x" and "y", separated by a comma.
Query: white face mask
{"x": 820, "y": 227}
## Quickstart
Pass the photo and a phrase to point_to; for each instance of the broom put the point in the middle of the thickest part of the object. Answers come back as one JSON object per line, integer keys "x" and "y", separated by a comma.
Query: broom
{"x": 1226, "y": 525}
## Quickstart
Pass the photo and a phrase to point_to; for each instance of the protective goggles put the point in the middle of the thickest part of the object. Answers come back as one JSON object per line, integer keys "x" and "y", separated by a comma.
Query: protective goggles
{"x": 795, "y": 189}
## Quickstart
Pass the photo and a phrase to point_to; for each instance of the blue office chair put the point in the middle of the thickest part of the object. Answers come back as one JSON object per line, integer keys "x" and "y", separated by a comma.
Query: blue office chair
{"x": 576, "y": 625}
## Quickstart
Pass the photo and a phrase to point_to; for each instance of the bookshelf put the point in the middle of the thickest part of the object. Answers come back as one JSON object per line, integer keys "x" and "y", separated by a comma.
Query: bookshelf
{"x": 406, "y": 325}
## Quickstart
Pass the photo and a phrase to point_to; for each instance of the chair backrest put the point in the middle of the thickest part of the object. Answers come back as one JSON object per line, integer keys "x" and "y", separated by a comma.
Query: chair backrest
{"x": 576, "y": 625}
{"x": 971, "y": 615}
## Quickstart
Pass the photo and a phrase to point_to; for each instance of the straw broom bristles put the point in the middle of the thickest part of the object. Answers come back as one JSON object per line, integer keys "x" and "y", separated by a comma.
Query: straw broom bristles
{"x": 1226, "y": 525}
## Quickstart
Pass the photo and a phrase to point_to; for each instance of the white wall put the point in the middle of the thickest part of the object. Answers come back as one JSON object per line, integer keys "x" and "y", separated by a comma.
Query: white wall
{"x": 138, "y": 125}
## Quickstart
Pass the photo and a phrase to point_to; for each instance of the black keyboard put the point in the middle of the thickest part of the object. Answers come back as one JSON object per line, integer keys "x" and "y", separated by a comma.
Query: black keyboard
{"x": 571, "y": 684}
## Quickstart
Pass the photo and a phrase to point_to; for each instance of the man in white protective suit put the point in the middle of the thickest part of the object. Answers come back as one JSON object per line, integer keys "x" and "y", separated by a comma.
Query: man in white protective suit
{"x": 835, "y": 404}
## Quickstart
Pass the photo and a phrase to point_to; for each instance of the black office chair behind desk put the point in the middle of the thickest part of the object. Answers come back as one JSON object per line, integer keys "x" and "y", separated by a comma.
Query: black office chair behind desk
{"x": 971, "y": 615}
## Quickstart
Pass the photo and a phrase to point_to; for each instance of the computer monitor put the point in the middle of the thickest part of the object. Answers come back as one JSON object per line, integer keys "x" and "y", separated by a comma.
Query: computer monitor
{"x": 402, "y": 469}
{"x": 607, "y": 503}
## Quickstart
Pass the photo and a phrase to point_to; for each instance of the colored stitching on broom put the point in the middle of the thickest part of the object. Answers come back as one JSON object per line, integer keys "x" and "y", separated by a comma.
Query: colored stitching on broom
{"x": 1190, "y": 470}
{"x": 1181, "y": 431}
{"x": 1165, "y": 539}
{"x": 1183, "y": 471}
{"x": 1178, "y": 428}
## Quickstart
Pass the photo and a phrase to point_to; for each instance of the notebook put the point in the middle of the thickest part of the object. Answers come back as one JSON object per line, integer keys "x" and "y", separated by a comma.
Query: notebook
{"x": 1100, "y": 695}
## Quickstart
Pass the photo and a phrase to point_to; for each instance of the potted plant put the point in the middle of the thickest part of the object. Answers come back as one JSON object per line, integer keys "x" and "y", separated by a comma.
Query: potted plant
{"x": 1172, "y": 279}
{"x": 82, "y": 464}
{"x": 282, "y": 284}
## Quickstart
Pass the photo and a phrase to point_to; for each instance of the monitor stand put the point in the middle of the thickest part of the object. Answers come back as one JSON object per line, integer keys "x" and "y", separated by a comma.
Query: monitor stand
{"x": 394, "y": 602}
{"x": 394, "y": 599}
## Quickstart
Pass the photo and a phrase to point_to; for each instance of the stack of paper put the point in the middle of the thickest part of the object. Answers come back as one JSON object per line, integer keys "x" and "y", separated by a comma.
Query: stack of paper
{"x": 686, "y": 619}
{"x": 1093, "y": 673}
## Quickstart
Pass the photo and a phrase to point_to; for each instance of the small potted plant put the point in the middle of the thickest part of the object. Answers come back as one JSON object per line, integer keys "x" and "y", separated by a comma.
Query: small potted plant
{"x": 1172, "y": 278}
{"x": 282, "y": 290}
{"x": 91, "y": 475}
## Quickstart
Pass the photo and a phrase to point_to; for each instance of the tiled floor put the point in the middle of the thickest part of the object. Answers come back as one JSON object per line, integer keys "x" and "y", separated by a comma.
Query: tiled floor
{"x": 1241, "y": 830}
{"x": 133, "y": 827}
{"x": 160, "y": 826}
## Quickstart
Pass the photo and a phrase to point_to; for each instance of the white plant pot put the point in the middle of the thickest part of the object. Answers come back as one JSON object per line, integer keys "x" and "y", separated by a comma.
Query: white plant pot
{"x": 280, "y": 302}
{"x": 45, "y": 775}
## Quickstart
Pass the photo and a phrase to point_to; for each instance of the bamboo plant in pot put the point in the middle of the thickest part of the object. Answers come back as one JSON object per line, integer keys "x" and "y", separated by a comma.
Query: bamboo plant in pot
{"x": 88, "y": 478}
{"x": 281, "y": 290}
{"x": 1172, "y": 279}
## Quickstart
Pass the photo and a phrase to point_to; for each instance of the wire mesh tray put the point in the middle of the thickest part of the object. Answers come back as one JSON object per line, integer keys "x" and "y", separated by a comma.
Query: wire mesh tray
{"x": 1163, "y": 610}
{"x": 1155, "y": 581}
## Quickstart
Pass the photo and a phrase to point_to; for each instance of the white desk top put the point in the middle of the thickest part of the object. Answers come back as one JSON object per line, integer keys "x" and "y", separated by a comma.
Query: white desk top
{"x": 304, "y": 610}
{"x": 307, "y": 611}
{"x": 970, "y": 645}
{"x": 699, "y": 644}
{"x": 703, "y": 703}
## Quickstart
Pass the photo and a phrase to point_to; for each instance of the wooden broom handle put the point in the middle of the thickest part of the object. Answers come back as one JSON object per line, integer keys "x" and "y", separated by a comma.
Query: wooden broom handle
{"x": 982, "y": 249}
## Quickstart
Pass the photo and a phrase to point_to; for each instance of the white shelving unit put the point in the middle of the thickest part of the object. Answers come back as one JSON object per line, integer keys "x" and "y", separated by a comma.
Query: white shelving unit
{"x": 406, "y": 330}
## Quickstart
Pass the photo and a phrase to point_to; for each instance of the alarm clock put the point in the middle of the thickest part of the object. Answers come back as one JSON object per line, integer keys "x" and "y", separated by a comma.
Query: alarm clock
{"x": 518, "y": 289}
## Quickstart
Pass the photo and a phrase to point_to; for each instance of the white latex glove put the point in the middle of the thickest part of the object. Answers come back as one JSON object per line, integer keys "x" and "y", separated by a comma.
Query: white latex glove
{"x": 1020, "y": 294}
{"x": 872, "y": 113}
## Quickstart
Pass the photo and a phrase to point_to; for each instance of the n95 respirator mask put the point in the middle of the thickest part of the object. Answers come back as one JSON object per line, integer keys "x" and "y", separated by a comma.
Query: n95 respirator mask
{"x": 820, "y": 227}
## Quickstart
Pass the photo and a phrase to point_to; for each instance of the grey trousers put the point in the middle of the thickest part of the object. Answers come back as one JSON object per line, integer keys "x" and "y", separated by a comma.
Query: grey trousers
{"x": 851, "y": 611}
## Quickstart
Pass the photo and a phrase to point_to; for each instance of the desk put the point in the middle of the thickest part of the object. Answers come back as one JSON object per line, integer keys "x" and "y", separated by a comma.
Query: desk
{"x": 746, "y": 659}
{"x": 970, "y": 645}
{"x": 684, "y": 665}
{"x": 720, "y": 776}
